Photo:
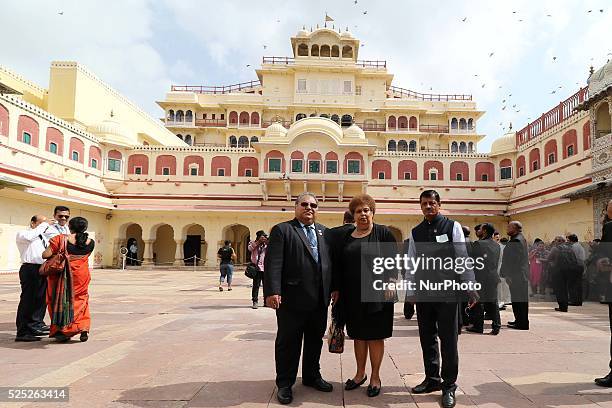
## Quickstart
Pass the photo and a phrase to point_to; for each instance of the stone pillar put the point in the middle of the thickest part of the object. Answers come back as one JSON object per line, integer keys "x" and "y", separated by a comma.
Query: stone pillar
{"x": 116, "y": 254}
{"x": 147, "y": 256}
{"x": 178, "y": 254}
{"x": 214, "y": 242}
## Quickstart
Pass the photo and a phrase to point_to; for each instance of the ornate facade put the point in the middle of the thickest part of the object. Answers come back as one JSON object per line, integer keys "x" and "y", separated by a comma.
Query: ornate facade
{"x": 227, "y": 161}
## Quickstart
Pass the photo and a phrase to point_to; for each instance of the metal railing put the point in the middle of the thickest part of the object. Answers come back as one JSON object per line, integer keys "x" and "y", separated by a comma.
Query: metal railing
{"x": 433, "y": 128}
{"x": 402, "y": 93}
{"x": 244, "y": 87}
{"x": 211, "y": 122}
{"x": 552, "y": 118}
{"x": 378, "y": 64}
{"x": 372, "y": 127}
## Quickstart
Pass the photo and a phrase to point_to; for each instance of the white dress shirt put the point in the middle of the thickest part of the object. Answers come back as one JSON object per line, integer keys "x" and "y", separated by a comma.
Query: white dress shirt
{"x": 32, "y": 243}
{"x": 57, "y": 229}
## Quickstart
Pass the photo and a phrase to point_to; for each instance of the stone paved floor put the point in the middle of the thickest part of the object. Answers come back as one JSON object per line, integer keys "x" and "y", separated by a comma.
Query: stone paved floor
{"x": 171, "y": 339}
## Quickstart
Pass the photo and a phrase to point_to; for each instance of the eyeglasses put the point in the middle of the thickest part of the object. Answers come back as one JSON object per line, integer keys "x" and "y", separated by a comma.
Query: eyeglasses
{"x": 311, "y": 205}
{"x": 63, "y": 216}
{"x": 365, "y": 210}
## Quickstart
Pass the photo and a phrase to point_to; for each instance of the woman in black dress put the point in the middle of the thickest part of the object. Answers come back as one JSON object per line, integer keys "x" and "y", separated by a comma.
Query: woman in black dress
{"x": 367, "y": 323}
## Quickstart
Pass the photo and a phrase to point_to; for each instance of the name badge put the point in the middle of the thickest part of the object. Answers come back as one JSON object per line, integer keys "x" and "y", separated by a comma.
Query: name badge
{"x": 442, "y": 238}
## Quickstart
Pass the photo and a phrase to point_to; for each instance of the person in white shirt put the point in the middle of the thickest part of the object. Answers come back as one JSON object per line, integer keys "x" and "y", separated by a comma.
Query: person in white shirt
{"x": 32, "y": 303}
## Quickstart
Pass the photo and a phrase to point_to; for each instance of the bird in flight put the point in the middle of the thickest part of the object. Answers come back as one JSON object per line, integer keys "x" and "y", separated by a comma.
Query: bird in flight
{"x": 464, "y": 19}
{"x": 554, "y": 58}
{"x": 355, "y": 1}
{"x": 265, "y": 46}
{"x": 248, "y": 65}
{"x": 365, "y": 12}
{"x": 491, "y": 54}
{"x": 61, "y": 13}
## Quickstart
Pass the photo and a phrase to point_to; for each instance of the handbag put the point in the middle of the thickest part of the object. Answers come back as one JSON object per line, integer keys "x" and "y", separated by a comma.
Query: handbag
{"x": 335, "y": 337}
{"x": 251, "y": 270}
{"x": 58, "y": 262}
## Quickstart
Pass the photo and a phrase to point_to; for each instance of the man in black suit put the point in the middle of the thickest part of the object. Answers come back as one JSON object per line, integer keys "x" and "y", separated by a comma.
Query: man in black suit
{"x": 298, "y": 285}
{"x": 515, "y": 269}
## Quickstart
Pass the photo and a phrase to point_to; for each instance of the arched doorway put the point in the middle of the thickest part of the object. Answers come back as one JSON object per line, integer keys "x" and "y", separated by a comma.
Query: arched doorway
{"x": 164, "y": 246}
{"x": 194, "y": 245}
{"x": 239, "y": 236}
{"x": 133, "y": 234}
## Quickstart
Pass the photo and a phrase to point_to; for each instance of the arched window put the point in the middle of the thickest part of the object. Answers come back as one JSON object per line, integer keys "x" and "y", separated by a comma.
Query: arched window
{"x": 454, "y": 123}
{"x": 462, "y": 147}
{"x": 300, "y": 116}
{"x": 254, "y": 118}
{"x": 454, "y": 147}
{"x": 232, "y": 141}
{"x": 243, "y": 141}
{"x": 325, "y": 51}
{"x": 324, "y": 115}
{"x": 233, "y": 117}
{"x": 347, "y": 51}
{"x": 302, "y": 50}
{"x": 313, "y": 115}
{"x": 402, "y": 122}
{"x": 180, "y": 136}
{"x": 188, "y": 116}
{"x": 180, "y": 117}
{"x": 412, "y": 125}
{"x": 471, "y": 147}
{"x": 470, "y": 124}
{"x": 188, "y": 140}
{"x": 462, "y": 124}
{"x": 335, "y": 51}
{"x": 314, "y": 50}
{"x": 244, "y": 118}
{"x": 335, "y": 118}
{"x": 171, "y": 115}
{"x": 392, "y": 146}
{"x": 254, "y": 139}
{"x": 402, "y": 146}
{"x": 412, "y": 146}
{"x": 347, "y": 120}
{"x": 391, "y": 122}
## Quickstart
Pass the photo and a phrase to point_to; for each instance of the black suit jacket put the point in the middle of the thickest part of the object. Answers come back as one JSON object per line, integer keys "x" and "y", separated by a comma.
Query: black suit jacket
{"x": 515, "y": 261}
{"x": 291, "y": 269}
{"x": 489, "y": 251}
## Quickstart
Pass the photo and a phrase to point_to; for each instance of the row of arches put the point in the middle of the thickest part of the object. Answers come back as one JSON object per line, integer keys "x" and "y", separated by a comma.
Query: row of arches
{"x": 187, "y": 139}
{"x": 193, "y": 165}
{"x": 462, "y": 147}
{"x": 344, "y": 120}
{"x": 569, "y": 148}
{"x": 244, "y": 118}
{"x": 402, "y": 122}
{"x": 329, "y": 163}
{"x": 402, "y": 146}
{"x": 433, "y": 170}
{"x": 462, "y": 124}
{"x": 165, "y": 244}
{"x": 54, "y": 141}
{"x": 179, "y": 116}
{"x": 324, "y": 50}
{"x": 242, "y": 141}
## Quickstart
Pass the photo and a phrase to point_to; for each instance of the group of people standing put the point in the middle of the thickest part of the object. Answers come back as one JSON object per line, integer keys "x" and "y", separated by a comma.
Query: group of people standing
{"x": 64, "y": 294}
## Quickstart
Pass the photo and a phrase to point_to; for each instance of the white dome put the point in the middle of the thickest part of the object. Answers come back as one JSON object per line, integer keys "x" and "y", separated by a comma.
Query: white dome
{"x": 110, "y": 131}
{"x": 346, "y": 34}
{"x": 354, "y": 131}
{"x": 601, "y": 79}
{"x": 504, "y": 144}
{"x": 276, "y": 130}
{"x": 302, "y": 33}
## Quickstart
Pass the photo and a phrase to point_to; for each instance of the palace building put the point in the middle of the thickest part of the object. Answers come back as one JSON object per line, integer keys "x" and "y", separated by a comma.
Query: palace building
{"x": 226, "y": 161}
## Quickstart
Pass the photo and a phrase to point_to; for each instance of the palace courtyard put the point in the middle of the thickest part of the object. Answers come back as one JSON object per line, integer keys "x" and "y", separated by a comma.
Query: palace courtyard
{"x": 169, "y": 338}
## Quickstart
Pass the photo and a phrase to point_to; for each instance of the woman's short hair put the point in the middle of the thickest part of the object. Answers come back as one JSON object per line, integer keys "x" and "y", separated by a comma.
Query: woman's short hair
{"x": 362, "y": 200}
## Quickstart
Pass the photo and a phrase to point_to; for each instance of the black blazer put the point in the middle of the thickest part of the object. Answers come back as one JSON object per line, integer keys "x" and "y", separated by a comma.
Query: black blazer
{"x": 489, "y": 251}
{"x": 515, "y": 261}
{"x": 291, "y": 269}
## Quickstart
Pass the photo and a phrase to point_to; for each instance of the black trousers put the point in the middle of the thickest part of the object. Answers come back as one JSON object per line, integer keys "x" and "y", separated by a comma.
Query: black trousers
{"x": 439, "y": 320}
{"x": 257, "y": 282}
{"x": 561, "y": 281}
{"x": 519, "y": 294}
{"x": 491, "y": 309}
{"x": 295, "y": 326}
{"x": 610, "y": 318}
{"x": 574, "y": 285}
{"x": 33, "y": 301}
{"x": 408, "y": 310}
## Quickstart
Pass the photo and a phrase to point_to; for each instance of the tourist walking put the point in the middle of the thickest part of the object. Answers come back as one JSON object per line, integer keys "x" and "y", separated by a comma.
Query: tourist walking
{"x": 298, "y": 285}
{"x": 226, "y": 267}
{"x": 258, "y": 250}
{"x": 68, "y": 292}
{"x": 368, "y": 322}
{"x": 515, "y": 269}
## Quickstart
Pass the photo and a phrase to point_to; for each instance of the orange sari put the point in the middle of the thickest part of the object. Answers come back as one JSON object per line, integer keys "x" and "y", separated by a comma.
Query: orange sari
{"x": 74, "y": 284}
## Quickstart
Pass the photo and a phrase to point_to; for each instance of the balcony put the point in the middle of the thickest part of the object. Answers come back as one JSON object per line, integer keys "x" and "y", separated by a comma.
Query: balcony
{"x": 210, "y": 123}
{"x": 433, "y": 128}
{"x": 243, "y": 87}
{"x": 376, "y": 64}
{"x": 285, "y": 123}
{"x": 244, "y": 125}
{"x": 463, "y": 131}
{"x": 372, "y": 127}
{"x": 172, "y": 123}
{"x": 402, "y": 93}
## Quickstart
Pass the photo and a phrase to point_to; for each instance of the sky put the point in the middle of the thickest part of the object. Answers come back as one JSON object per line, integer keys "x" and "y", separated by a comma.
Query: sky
{"x": 517, "y": 58}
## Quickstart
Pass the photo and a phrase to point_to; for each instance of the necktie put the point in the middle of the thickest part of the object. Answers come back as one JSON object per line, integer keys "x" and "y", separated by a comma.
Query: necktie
{"x": 43, "y": 240}
{"x": 312, "y": 239}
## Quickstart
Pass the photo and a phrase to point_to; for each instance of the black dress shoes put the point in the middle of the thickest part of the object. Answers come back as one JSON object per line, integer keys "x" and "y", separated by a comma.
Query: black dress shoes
{"x": 448, "y": 399}
{"x": 27, "y": 337}
{"x": 284, "y": 395}
{"x": 351, "y": 385}
{"x": 604, "y": 381}
{"x": 558, "y": 309}
{"x": 38, "y": 332}
{"x": 494, "y": 332}
{"x": 426, "y": 387}
{"x": 511, "y": 324}
{"x": 84, "y": 336}
{"x": 319, "y": 384}
{"x": 373, "y": 391}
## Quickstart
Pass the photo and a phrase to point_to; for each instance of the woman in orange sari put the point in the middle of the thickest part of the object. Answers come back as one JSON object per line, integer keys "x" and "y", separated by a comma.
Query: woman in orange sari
{"x": 67, "y": 292}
